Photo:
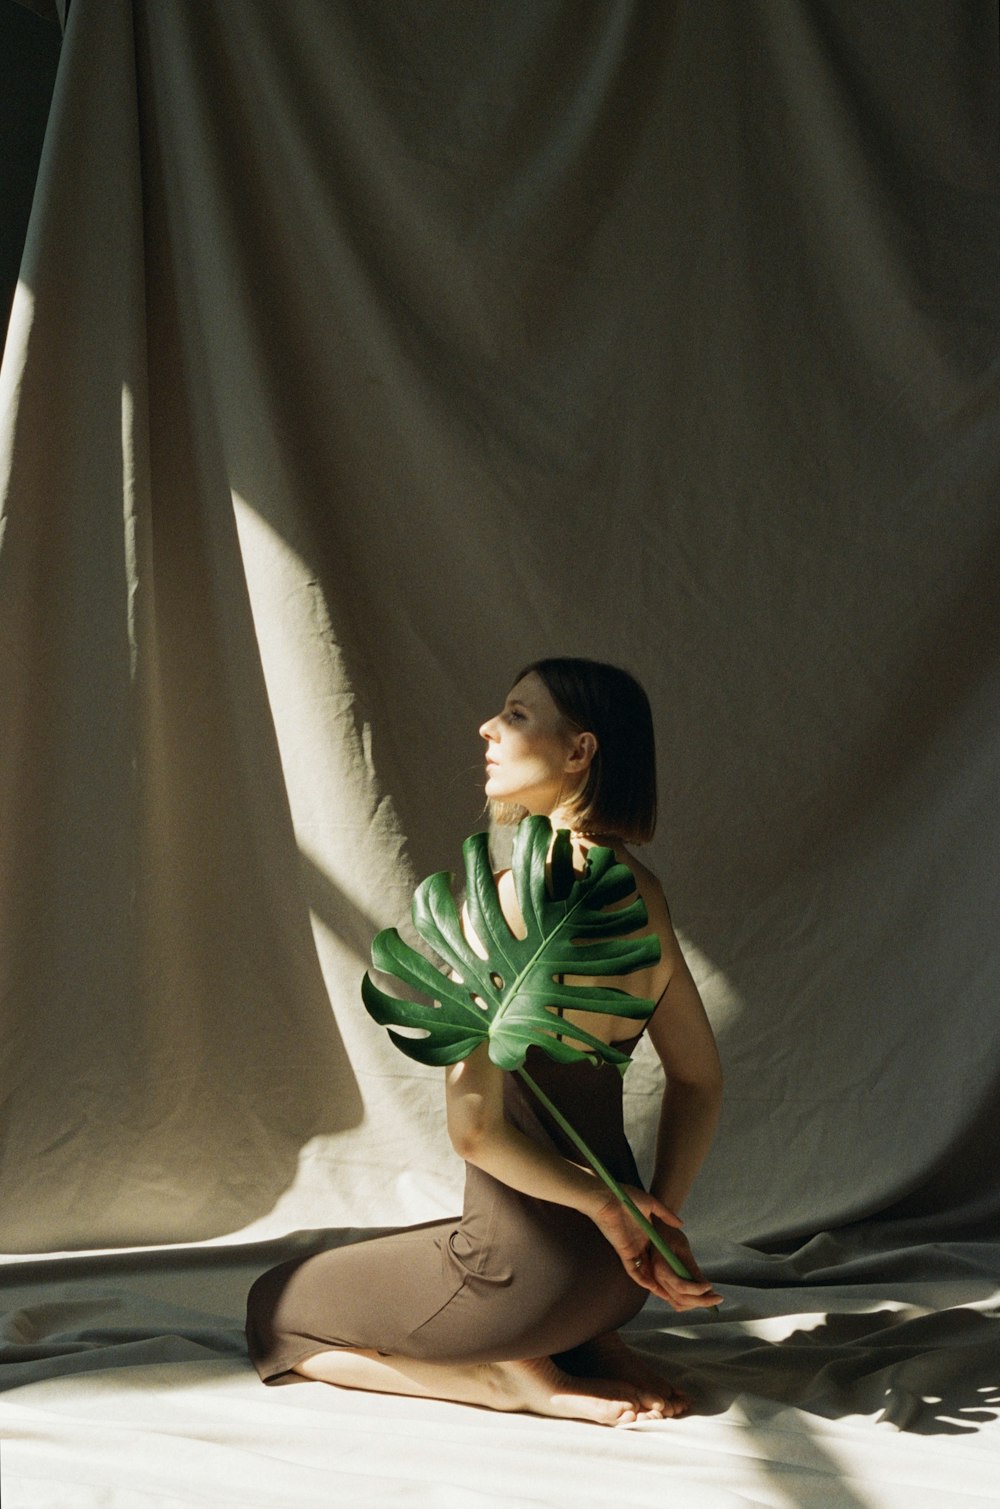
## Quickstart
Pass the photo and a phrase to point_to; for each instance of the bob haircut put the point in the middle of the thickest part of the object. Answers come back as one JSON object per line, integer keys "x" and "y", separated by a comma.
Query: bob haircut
{"x": 619, "y": 796}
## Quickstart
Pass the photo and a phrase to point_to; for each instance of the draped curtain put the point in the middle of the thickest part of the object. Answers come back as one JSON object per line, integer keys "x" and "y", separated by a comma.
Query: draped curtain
{"x": 363, "y": 353}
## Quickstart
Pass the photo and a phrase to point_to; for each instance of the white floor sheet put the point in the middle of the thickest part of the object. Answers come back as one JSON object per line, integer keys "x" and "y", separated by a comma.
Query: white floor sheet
{"x": 363, "y": 353}
{"x": 126, "y": 1385}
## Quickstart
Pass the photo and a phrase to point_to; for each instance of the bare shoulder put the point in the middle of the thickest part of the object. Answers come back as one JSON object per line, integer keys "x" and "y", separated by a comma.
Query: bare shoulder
{"x": 647, "y": 883}
{"x": 679, "y": 1028}
{"x": 649, "y": 888}
{"x": 509, "y": 904}
{"x": 506, "y": 889}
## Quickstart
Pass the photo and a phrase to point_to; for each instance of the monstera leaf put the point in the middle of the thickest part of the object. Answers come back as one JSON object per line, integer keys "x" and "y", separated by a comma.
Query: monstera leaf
{"x": 573, "y": 926}
{"x": 507, "y": 999}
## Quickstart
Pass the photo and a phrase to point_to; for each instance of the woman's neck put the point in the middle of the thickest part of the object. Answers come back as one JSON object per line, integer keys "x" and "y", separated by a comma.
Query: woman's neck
{"x": 565, "y": 817}
{"x": 561, "y": 817}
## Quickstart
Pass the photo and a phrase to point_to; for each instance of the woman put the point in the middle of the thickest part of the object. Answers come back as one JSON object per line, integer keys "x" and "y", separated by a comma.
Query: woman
{"x": 516, "y": 1305}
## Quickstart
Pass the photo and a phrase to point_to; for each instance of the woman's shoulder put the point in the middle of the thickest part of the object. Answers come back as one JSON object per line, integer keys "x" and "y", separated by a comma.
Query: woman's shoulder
{"x": 647, "y": 883}
{"x": 509, "y": 904}
{"x": 657, "y": 909}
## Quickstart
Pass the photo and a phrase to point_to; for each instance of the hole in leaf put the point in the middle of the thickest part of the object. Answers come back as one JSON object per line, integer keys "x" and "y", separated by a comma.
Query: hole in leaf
{"x": 497, "y": 980}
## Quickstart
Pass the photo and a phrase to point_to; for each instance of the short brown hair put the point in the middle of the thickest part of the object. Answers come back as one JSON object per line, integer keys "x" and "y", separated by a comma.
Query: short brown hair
{"x": 619, "y": 796}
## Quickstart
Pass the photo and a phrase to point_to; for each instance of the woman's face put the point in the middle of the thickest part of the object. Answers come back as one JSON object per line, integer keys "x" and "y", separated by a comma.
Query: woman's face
{"x": 531, "y": 756}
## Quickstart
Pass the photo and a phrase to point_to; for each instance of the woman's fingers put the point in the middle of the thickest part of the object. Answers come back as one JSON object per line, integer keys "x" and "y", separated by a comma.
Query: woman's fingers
{"x": 690, "y": 1298}
{"x": 681, "y": 1293}
{"x": 661, "y": 1212}
{"x": 684, "y": 1294}
{"x": 653, "y": 1273}
{"x": 652, "y": 1208}
{"x": 643, "y": 1264}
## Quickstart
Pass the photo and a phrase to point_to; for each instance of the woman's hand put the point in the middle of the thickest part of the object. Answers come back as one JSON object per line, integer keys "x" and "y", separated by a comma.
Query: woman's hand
{"x": 643, "y": 1264}
{"x": 680, "y": 1293}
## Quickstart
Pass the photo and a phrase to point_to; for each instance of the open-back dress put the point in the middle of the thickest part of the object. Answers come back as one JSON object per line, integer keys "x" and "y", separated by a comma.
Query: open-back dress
{"x": 514, "y": 1277}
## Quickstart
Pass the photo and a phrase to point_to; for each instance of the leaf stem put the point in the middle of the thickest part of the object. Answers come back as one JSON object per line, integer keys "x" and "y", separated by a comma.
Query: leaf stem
{"x": 605, "y": 1174}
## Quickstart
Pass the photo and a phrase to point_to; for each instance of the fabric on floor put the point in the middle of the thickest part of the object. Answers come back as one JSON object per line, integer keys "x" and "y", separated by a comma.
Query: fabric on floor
{"x": 360, "y": 355}
{"x": 874, "y": 1385}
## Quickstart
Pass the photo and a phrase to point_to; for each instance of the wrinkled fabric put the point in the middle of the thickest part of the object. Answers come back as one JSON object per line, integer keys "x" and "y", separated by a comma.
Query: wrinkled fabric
{"x": 870, "y": 1384}
{"x": 362, "y": 354}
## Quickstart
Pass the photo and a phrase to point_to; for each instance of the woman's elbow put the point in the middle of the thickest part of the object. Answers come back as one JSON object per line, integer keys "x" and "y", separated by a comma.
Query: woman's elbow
{"x": 464, "y": 1140}
{"x": 471, "y": 1135}
{"x": 705, "y": 1085}
{"x": 712, "y": 1086}
{"x": 713, "y": 1082}
{"x": 474, "y": 1105}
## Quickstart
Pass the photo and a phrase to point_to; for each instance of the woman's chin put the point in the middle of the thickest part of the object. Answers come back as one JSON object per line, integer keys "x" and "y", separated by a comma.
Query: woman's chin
{"x": 505, "y": 814}
{"x": 496, "y": 789}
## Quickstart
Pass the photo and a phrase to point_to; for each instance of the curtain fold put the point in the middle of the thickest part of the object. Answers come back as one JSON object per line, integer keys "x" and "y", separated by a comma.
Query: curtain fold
{"x": 362, "y": 355}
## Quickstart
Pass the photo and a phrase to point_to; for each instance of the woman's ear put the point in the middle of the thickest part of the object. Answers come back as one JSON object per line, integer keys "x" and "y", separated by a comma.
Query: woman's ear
{"x": 581, "y": 752}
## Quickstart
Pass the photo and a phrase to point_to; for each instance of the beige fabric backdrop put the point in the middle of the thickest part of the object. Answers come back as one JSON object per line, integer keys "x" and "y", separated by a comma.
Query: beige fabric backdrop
{"x": 363, "y": 353}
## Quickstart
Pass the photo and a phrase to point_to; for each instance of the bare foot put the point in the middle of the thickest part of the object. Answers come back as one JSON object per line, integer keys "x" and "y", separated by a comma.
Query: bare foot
{"x": 538, "y": 1386}
{"x": 542, "y": 1388}
{"x": 611, "y": 1357}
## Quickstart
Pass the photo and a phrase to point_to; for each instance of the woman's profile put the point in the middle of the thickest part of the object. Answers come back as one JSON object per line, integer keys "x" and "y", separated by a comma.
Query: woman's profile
{"x": 516, "y": 1304}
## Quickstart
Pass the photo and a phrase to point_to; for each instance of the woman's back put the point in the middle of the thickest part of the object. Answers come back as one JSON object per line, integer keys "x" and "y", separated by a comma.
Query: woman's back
{"x": 649, "y": 983}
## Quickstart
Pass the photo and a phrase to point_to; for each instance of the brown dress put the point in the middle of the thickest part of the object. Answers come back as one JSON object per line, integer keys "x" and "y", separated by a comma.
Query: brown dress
{"x": 515, "y": 1277}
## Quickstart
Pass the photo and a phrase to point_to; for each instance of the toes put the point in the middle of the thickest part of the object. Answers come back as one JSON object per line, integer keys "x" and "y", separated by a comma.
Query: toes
{"x": 622, "y": 1411}
{"x": 627, "y": 1416}
{"x": 667, "y": 1406}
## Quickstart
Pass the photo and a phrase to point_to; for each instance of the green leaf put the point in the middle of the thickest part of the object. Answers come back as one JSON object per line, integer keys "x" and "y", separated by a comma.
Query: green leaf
{"x": 574, "y": 927}
{"x": 509, "y": 999}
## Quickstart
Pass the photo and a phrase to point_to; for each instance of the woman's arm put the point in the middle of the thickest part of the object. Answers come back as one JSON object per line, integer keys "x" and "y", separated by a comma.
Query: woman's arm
{"x": 481, "y": 1134}
{"x": 680, "y": 1032}
{"x": 682, "y": 1036}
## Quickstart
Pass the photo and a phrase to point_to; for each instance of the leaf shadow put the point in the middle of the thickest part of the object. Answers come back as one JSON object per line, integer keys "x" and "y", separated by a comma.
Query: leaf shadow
{"x": 932, "y": 1373}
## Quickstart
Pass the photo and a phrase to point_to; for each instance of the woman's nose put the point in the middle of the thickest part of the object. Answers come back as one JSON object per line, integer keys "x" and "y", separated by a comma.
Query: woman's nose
{"x": 486, "y": 730}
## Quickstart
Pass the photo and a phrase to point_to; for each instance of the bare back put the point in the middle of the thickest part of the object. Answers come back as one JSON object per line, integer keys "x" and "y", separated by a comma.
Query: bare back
{"x": 650, "y": 983}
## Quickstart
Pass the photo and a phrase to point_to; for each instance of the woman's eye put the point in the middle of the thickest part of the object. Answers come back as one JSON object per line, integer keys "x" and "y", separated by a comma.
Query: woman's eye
{"x": 513, "y": 716}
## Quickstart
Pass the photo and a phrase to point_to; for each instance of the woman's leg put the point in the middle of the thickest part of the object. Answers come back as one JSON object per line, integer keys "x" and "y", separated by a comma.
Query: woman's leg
{"x": 537, "y": 1386}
